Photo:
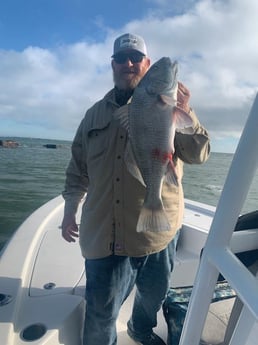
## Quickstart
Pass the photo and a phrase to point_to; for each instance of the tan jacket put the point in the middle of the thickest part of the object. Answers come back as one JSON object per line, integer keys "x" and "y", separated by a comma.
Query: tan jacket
{"x": 114, "y": 197}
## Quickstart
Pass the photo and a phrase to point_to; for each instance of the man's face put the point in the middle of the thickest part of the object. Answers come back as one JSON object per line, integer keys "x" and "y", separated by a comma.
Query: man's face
{"x": 128, "y": 69}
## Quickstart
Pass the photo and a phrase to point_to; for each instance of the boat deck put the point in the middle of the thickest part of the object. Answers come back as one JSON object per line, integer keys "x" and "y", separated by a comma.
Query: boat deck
{"x": 47, "y": 300}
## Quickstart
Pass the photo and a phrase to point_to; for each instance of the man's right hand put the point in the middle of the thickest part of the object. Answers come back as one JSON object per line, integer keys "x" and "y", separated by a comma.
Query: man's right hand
{"x": 69, "y": 229}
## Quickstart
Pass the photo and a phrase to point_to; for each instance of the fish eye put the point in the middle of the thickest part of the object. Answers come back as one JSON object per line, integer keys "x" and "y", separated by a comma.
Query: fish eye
{"x": 151, "y": 90}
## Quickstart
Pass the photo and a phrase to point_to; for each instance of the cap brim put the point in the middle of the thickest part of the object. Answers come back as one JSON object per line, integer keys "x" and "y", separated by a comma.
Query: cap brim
{"x": 128, "y": 50}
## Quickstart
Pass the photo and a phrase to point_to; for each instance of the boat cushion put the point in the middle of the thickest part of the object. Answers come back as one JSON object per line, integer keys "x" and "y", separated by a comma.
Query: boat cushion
{"x": 245, "y": 222}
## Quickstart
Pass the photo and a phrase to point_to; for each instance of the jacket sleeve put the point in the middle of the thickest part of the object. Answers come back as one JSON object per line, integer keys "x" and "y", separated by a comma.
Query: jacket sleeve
{"x": 193, "y": 145}
{"x": 76, "y": 183}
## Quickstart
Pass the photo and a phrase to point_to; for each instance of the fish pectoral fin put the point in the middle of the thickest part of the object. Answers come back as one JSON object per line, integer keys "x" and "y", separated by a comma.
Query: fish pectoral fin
{"x": 152, "y": 220}
{"x": 132, "y": 165}
{"x": 183, "y": 121}
{"x": 167, "y": 99}
{"x": 171, "y": 175}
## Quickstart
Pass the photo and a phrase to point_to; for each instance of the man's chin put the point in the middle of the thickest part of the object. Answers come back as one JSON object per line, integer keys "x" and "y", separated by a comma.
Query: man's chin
{"x": 129, "y": 83}
{"x": 126, "y": 81}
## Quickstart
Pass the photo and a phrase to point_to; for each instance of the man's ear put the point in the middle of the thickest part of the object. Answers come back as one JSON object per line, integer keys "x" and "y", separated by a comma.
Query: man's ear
{"x": 148, "y": 61}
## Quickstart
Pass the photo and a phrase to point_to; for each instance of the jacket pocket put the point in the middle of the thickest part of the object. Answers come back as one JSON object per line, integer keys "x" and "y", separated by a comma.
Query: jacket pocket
{"x": 97, "y": 143}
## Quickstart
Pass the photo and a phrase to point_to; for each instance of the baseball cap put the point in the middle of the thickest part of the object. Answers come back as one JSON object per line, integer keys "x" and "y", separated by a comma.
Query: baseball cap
{"x": 129, "y": 41}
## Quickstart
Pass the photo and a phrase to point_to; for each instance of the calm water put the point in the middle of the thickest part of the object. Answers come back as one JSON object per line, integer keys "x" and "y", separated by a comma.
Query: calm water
{"x": 31, "y": 174}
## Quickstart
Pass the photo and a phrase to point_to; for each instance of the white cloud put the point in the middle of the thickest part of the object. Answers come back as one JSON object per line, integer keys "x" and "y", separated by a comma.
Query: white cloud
{"x": 215, "y": 43}
{"x": 51, "y": 88}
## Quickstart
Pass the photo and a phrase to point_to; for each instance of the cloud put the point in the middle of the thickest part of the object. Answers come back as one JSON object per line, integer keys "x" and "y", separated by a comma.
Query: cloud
{"x": 216, "y": 45}
{"x": 51, "y": 88}
{"x": 214, "y": 41}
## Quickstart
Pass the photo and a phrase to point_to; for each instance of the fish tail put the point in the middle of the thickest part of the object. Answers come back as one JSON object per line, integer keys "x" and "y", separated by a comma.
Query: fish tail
{"x": 152, "y": 220}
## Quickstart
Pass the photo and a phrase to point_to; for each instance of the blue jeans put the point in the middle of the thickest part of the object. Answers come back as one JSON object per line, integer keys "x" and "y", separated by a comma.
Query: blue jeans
{"x": 110, "y": 281}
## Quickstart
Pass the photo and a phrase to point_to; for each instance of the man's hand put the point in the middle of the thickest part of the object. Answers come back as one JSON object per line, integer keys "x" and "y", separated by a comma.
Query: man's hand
{"x": 69, "y": 229}
{"x": 183, "y": 96}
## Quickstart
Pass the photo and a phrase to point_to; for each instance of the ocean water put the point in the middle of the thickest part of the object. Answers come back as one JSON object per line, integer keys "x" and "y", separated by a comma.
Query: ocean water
{"x": 32, "y": 174}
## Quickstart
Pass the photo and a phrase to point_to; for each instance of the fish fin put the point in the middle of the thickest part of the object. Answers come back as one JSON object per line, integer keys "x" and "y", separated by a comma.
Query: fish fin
{"x": 132, "y": 165}
{"x": 122, "y": 114}
{"x": 168, "y": 99}
{"x": 171, "y": 175}
{"x": 183, "y": 121}
{"x": 153, "y": 220}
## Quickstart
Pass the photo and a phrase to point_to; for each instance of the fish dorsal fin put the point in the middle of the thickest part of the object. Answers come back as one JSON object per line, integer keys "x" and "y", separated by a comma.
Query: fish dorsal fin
{"x": 131, "y": 164}
{"x": 122, "y": 115}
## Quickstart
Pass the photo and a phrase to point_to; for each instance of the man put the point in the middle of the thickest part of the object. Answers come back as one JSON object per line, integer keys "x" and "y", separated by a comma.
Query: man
{"x": 116, "y": 256}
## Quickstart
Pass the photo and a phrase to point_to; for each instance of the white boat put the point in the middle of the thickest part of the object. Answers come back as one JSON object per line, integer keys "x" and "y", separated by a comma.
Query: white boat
{"x": 42, "y": 276}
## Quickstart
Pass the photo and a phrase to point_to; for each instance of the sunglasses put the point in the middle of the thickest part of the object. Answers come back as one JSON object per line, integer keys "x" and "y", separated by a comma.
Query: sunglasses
{"x": 133, "y": 57}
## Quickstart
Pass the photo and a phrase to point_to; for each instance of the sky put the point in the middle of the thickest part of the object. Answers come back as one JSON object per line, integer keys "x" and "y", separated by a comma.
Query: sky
{"x": 55, "y": 60}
